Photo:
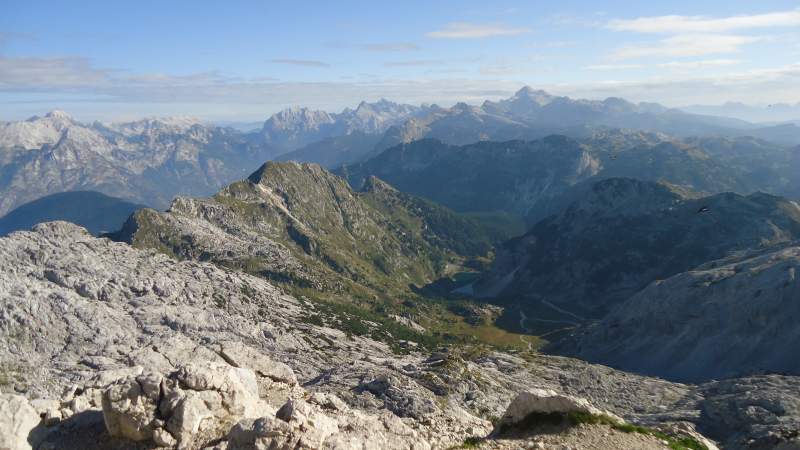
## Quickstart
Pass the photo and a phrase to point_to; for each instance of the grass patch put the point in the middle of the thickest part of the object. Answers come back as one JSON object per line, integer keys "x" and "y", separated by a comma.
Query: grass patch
{"x": 674, "y": 442}
{"x": 470, "y": 442}
{"x": 537, "y": 419}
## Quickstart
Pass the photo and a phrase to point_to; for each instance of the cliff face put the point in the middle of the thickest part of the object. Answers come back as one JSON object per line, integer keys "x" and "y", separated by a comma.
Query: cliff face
{"x": 623, "y": 234}
{"x": 737, "y": 315}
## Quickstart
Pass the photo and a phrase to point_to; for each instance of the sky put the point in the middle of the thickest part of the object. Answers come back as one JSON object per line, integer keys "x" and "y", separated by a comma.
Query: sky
{"x": 244, "y": 60}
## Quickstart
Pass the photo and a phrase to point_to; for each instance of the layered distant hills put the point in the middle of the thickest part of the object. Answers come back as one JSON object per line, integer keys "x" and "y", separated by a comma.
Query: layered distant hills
{"x": 94, "y": 211}
{"x": 150, "y": 161}
{"x": 415, "y": 261}
{"x": 536, "y": 178}
{"x": 147, "y": 161}
{"x": 621, "y": 234}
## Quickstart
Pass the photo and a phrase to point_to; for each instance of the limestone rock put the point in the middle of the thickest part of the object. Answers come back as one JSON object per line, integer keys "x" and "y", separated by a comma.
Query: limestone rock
{"x": 17, "y": 419}
{"x": 130, "y": 406}
{"x": 202, "y": 398}
{"x": 547, "y": 401}
{"x": 324, "y": 422}
{"x": 241, "y": 355}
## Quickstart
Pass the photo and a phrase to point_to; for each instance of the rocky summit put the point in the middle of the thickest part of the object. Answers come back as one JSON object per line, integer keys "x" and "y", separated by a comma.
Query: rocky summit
{"x": 300, "y": 225}
{"x": 108, "y": 346}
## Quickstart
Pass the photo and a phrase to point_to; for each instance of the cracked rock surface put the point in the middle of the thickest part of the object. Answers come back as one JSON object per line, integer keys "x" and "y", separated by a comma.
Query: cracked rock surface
{"x": 115, "y": 347}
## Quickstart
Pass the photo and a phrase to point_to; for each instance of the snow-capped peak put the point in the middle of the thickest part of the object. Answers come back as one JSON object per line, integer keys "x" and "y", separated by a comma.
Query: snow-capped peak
{"x": 36, "y": 131}
{"x": 172, "y": 124}
{"x": 58, "y": 114}
{"x": 536, "y": 95}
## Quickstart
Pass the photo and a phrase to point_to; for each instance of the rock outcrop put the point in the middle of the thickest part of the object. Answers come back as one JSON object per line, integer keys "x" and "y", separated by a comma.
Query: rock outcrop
{"x": 17, "y": 419}
{"x": 301, "y": 226}
{"x": 731, "y": 317}
{"x": 204, "y": 399}
{"x": 543, "y": 401}
{"x": 114, "y": 344}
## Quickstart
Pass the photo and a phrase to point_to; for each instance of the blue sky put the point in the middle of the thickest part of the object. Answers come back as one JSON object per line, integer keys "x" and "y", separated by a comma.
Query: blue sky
{"x": 241, "y": 60}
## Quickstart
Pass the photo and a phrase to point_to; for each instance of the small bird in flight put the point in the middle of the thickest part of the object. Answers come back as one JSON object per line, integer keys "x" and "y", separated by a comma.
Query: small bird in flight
{"x": 703, "y": 209}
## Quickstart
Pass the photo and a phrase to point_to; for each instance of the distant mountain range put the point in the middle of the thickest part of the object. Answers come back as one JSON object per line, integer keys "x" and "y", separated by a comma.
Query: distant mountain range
{"x": 151, "y": 160}
{"x": 294, "y": 128}
{"x": 147, "y": 161}
{"x": 528, "y": 114}
{"x": 537, "y": 178}
{"x": 775, "y": 113}
{"x": 94, "y": 211}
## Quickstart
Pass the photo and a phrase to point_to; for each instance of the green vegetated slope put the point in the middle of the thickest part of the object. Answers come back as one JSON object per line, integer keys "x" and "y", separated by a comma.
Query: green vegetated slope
{"x": 365, "y": 254}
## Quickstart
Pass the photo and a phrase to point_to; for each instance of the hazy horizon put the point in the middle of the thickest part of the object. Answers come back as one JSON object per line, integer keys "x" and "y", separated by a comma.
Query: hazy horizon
{"x": 246, "y": 60}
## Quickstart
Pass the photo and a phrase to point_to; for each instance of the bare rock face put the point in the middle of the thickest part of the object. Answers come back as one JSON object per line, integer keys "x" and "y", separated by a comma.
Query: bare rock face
{"x": 196, "y": 399}
{"x": 130, "y": 406}
{"x": 324, "y": 422}
{"x": 217, "y": 402}
{"x": 239, "y": 355}
{"x": 727, "y": 318}
{"x": 547, "y": 401}
{"x": 581, "y": 262}
{"x": 17, "y": 419}
{"x": 127, "y": 349}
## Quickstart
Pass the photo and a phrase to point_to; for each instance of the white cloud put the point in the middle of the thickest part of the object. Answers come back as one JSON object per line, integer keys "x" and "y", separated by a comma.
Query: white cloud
{"x": 685, "y": 45}
{"x": 702, "y": 64}
{"x": 61, "y": 72}
{"x": 37, "y": 85}
{"x": 672, "y": 65}
{"x": 700, "y": 24}
{"x": 759, "y": 86}
{"x": 301, "y": 62}
{"x": 465, "y": 30}
{"x": 555, "y": 44}
{"x": 391, "y": 47}
{"x": 415, "y": 63}
{"x": 615, "y": 66}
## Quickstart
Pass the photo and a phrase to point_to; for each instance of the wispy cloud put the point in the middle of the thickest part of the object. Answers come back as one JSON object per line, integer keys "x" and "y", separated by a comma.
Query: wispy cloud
{"x": 685, "y": 45}
{"x": 673, "y": 65}
{"x": 554, "y": 44}
{"x": 700, "y": 24}
{"x": 61, "y": 72}
{"x": 703, "y": 64}
{"x": 593, "y": 20}
{"x": 466, "y": 30}
{"x": 415, "y": 63}
{"x": 301, "y": 62}
{"x": 105, "y": 93}
{"x": 391, "y": 47}
{"x": 615, "y": 66}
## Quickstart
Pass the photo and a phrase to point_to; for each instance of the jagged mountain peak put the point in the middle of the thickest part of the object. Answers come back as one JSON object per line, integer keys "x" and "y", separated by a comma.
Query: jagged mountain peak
{"x": 271, "y": 171}
{"x": 59, "y": 115}
{"x": 375, "y": 184}
{"x": 539, "y": 96}
{"x": 36, "y": 131}
{"x": 293, "y": 123}
{"x": 147, "y": 125}
{"x": 295, "y": 114}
